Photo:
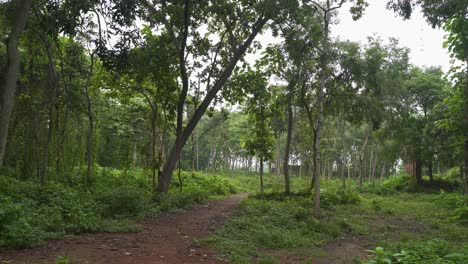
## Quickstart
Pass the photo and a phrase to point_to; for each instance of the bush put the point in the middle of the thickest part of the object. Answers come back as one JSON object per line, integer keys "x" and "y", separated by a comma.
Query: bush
{"x": 460, "y": 216}
{"x": 125, "y": 201}
{"x": 330, "y": 198}
{"x": 183, "y": 199}
{"x": 212, "y": 184}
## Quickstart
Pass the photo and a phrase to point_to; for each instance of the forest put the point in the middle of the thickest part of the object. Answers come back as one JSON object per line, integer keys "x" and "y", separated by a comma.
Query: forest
{"x": 171, "y": 131}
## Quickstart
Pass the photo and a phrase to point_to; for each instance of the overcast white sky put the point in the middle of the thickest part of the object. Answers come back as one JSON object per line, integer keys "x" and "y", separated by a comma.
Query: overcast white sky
{"x": 424, "y": 41}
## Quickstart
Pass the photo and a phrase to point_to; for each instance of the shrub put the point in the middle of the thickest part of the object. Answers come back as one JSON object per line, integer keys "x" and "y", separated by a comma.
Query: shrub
{"x": 330, "y": 198}
{"x": 183, "y": 199}
{"x": 460, "y": 216}
{"x": 124, "y": 201}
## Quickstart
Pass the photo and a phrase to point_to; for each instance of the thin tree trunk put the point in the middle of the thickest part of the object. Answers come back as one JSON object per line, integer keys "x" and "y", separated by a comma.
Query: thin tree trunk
{"x": 180, "y": 178}
{"x": 261, "y": 174}
{"x": 465, "y": 123}
{"x": 10, "y": 73}
{"x": 374, "y": 167}
{"x": 382, "y": 173}
{"x": 431, "y": 177}
{"x": 193, "y": 152}
{"x": 53, "y": 93}
{"x": 363, "y": 153}
{"x": 321, "y": 95}
{"x": 89, "y": 111}
{"x": 287, "y": 188}
{"x": 153, "y": 150}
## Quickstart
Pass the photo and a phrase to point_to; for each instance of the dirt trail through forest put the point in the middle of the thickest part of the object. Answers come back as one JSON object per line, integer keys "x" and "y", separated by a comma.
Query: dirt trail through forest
{"x": 168, "y": 238}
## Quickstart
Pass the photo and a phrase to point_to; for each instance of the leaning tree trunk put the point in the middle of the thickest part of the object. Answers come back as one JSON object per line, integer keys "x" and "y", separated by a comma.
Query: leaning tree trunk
{"x": 164, "y": 178}
{"x": 10, "y": 72}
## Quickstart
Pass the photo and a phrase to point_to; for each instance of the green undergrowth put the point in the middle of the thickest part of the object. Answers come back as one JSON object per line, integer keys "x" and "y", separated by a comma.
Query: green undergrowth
{"x": 448, "y": 182}
{"x": 278, "y": 221}
{"x": 420, "y": 252}
{"x": 31, "y": 213}
{"x": 426, "y": 228}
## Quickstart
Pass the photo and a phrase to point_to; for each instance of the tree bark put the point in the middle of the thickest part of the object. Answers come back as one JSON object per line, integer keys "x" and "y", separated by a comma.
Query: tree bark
{"x": 10, "y": 73}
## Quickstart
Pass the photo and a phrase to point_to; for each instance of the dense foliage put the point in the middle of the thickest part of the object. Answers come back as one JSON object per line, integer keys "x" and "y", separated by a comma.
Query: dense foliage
{"x": 30, "y": 214}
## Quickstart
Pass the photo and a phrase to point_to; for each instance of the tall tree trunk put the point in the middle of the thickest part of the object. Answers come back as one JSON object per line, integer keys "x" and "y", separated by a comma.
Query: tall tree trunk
{"x": 193, "y": 152}
{"x": 53, "y": 95}
{"x": 89, "y": 112}
{"x": 154, "y": 163}
{"x": 315, "y": 164}
{"x": 465, "y": 123}
{"x": 342, "y": 174}
{"x": 287, "y": 188}
{"x": 339, "y": 158}
{"x": 374, "y": 167}
{"x": 317, "y": 158}
{"x": 362, "y": 167}
{"x": 10, "y": 72}
{"x": 261, "y": 174}
{"x": 321, "y": 95}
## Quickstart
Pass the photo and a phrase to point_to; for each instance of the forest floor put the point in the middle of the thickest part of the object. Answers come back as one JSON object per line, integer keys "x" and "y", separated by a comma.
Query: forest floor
{"x": 169, "y": 238}
{"x": 351, "y": 248}
{"x": 178, "y": 237}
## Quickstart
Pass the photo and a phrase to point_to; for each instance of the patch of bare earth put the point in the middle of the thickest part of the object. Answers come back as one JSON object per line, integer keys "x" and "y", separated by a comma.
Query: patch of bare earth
{"x": 168, "y": 238}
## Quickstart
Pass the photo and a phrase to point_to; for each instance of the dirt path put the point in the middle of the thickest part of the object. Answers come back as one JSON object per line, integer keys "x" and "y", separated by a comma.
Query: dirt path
{"x": 168, "y": 238}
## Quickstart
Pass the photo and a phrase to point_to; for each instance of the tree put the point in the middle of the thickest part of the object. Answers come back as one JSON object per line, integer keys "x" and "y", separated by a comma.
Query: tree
{"x": 10, "y": 71}
{"x": 452, "y": 15}
{"x": 259, "y": 141}
{"x": 237, "y": 24}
